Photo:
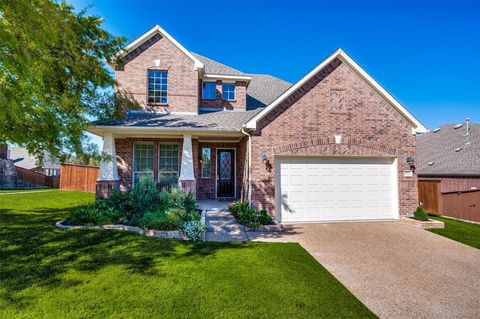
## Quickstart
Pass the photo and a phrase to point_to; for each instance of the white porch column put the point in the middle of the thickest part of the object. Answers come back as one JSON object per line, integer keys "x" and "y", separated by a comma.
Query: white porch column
{"x": 107, "y": 180}
{"x": 187, "y": 176}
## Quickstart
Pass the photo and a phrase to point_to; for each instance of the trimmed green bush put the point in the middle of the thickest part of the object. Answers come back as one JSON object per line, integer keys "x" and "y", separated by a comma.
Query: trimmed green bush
{"x": 420, "y": 214}
{"x": 248, "y": 216}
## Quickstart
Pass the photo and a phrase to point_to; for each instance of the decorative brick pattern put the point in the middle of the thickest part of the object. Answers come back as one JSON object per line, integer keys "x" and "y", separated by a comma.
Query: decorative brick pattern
{"x": 454, "y": 184}
{"x": 304, "y": 124}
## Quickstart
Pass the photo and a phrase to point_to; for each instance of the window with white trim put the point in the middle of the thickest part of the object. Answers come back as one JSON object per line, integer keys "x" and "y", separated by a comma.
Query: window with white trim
{"x": 142, "y": 161}
{"x": 168, "y": 167}
{"x": 228, "y": 91}
{"x": 209, "y": 90}
{"x": 157, "y": 87}
{"x": 206, "y": 162}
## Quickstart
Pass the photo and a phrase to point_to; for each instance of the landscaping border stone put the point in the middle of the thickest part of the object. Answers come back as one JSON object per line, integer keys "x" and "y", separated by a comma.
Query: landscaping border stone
{"x": 275, "y": 228}
{"x": 166, "y": 234}
{"x": 431, "y": 223}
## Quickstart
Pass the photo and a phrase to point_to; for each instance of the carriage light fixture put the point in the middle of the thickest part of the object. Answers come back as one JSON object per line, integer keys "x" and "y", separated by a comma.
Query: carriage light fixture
{"x": 264, "y": 159}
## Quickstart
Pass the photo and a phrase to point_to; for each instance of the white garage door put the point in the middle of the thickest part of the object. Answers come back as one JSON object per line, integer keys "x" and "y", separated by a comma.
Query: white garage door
{"x": 327, "y": 189}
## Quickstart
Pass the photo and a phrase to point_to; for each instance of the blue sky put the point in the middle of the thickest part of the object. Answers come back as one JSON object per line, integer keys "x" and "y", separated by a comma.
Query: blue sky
{"x": 426, "y": 54}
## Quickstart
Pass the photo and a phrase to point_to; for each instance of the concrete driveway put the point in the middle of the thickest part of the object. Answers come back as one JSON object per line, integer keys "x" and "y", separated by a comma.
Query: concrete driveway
{"x": 395, "y": 269}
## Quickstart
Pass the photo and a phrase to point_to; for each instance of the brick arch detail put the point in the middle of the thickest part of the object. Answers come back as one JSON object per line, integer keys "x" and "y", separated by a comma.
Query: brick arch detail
{"x": 326, "y": 146}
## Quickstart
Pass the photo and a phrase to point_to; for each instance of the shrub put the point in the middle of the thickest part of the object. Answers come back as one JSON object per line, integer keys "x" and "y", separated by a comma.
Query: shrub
{"x": 264, "y": 218}
{"x": 193, "y": 230}
{"x": 143, "y": 205}
{"x": 85, "y": 215}
{"x": 156, "y": 220}
{"x": 142, "y": 197}
{"x": 420, "y": 214}
{"x": 249, "y": 216}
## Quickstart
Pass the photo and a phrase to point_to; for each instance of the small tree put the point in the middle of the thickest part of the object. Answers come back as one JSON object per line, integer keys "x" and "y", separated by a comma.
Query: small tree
{"x": 53, "y": 75}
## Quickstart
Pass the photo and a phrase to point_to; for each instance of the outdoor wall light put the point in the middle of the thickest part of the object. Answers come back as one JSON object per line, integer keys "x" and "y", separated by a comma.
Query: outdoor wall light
{"x": 266, "y": 162}
{"x": 264, "y": 159}
{"x": 409, "y": 160}
{"x": 200, "y": 159}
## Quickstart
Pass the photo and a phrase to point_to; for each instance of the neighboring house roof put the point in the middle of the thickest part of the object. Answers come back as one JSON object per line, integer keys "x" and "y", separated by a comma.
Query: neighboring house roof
{"x": 439, "y": 148}
{"x": 340, "y": 54}
{"x": 30, "y": 161}
{"x": 17, "y": 152}
{"x": 216, "y": 121}
{"x": 158, "y": 30}
{"x": 264, "y": 89}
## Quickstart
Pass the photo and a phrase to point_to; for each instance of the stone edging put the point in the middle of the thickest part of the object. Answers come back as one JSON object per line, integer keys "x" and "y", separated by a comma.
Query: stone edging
{"x": 431, "y": 223}
{"x": 275, "y": 228}
{"x": 167, "y": 234}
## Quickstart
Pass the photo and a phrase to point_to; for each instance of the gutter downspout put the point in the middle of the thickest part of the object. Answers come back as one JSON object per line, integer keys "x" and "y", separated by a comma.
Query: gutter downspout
{"x": 249, "y": 171}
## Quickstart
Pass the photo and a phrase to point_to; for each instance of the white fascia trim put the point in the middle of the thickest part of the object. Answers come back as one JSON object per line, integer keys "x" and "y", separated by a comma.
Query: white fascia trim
{"x": 339, "y": 53}
{"x": 102, "y": 130}
{"x": 227, "y": 77}
{"x": 157, "y": 29}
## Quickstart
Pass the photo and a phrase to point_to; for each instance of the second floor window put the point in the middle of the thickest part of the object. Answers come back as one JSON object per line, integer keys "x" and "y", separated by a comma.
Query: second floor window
{"x": 157, "y": 87}
{"x": 228, "y": 91}
{"x": 209, "y": 90}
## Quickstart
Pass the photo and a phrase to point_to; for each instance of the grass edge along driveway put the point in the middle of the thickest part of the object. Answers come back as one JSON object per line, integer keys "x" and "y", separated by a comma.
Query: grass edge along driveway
{"x": 463, "y": 232}
{"x": 46, "y": 272}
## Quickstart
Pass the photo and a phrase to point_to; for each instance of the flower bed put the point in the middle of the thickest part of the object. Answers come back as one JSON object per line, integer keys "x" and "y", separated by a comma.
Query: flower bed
{"x": 145, "y": 208}
{"x": 250, "y": 218}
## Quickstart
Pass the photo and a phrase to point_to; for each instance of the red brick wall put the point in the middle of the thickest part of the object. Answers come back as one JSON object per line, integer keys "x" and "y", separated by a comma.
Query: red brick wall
{"x": 182, "y": 77}
{"x": 454, "y": 184}
{"x": 240, "y": 102}
{"x": 205, "y": 187}
{"x": 335, "y": 102}
{"x": 124, "y": 150}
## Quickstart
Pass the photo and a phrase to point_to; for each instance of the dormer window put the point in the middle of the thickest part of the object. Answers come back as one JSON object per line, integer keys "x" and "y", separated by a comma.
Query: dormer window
{"x": 157, "y": 87}
{"x": 228, "y": 91}
{"x": 209, "y": 90}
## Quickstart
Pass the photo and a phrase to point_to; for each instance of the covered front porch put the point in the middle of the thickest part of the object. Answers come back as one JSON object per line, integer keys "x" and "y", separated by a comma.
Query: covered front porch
{"x": 212, "y": 166}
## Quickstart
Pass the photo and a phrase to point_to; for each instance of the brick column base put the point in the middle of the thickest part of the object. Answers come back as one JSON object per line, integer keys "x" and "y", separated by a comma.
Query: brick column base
{"x": 104, "y": 189}
{"x": 188, "y": 186}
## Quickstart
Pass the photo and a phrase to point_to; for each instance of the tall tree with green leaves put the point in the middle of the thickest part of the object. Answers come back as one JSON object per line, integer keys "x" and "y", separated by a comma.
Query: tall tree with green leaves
{"x": 53, "y": 74}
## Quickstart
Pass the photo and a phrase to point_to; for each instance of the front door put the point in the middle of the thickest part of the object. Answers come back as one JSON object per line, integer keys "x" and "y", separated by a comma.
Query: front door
{"x": 225, "y": 173}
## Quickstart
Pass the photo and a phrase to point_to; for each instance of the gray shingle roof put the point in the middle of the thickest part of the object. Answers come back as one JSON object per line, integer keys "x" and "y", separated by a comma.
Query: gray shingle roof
{"x": 216, "y": 121}
{"x": 440, "y": 148}
{"x": 264, "y": 89}
{"x": 214, "y": 67}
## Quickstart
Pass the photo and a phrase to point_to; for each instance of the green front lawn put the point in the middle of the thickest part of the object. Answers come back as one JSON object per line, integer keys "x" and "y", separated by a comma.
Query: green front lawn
{"x": 46, "y": 272}
{"x": 466, "y": 233}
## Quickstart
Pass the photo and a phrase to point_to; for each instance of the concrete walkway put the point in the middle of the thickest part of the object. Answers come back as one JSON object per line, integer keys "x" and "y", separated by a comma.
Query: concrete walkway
{"x": 221, "y": 225}
{"x": 395, "y": 269}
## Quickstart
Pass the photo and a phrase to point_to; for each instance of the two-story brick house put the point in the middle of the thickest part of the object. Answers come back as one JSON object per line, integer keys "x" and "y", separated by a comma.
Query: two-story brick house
{"x": 333, "y": 146}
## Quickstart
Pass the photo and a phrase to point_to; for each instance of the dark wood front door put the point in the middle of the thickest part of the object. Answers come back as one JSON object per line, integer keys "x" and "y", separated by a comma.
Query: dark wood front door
{"x": 225, "y": 173}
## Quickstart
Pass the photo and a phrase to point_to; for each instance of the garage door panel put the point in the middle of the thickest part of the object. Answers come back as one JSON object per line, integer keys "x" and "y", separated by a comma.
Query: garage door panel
{"x": 320, "y": 189}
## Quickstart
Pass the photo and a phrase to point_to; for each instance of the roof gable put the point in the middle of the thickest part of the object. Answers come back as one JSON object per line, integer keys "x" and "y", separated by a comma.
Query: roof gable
{"x": 152, "y": 32}
{"x": 342, "y": 56}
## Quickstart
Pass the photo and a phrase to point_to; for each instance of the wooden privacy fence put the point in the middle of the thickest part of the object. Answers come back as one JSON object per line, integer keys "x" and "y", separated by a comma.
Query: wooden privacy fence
{"x": 40, "y": 179}
{"x": 462, "y": 205}
{"x": 78, "y": 177}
